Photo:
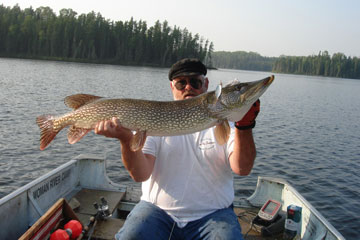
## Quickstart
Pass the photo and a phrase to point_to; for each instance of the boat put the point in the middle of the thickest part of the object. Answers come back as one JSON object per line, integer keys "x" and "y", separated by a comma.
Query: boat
{"x": 27, "y": 212}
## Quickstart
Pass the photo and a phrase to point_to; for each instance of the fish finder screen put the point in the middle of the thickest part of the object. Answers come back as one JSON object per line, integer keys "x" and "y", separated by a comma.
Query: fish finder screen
{"x": 270, "y": 207}
{"x": 269, "y": 210}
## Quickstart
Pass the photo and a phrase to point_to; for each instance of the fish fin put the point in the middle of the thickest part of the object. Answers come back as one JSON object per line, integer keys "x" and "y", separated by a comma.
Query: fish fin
{"x": 138, "y": 140}
{"x": 218, "y": 90}
{"x": 75, "y": 134}
{"x": 47, "y": 132}
{"x": 219, "y": 115}
{"x": 78, "y": 100}
{"x": 222, "y": 132}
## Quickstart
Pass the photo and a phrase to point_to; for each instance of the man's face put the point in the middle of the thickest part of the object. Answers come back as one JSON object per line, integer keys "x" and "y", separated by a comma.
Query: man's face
{"x": 191, "y": 86}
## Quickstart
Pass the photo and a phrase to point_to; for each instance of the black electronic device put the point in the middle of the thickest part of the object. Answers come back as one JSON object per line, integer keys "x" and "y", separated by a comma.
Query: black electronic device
{"x": 270, "y": 220}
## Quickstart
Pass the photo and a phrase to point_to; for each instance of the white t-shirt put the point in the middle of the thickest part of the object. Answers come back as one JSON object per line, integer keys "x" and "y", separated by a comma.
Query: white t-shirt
{"x": 192, "y": 176}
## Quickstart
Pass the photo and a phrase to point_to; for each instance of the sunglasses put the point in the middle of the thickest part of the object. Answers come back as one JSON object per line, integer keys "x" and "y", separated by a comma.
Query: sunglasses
{"x": 194, "y": 83}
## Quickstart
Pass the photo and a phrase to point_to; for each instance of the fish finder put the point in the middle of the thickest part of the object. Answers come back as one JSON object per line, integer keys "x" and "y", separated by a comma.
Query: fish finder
{"x": 269, "y": 210}
{"x": 270, "y": 220}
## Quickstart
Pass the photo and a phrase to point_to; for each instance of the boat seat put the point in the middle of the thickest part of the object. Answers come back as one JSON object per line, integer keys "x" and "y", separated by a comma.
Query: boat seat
{"x": 83, "y": 205}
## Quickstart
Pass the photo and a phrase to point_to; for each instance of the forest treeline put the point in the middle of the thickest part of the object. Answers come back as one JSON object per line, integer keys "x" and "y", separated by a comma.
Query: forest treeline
{"x": 242, "y": 60}
{"x": 337, "y": 65}
{"x": 40, "y": 33}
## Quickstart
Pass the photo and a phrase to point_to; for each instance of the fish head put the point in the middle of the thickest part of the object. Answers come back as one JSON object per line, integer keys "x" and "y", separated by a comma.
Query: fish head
{"x": 237, "y": 98}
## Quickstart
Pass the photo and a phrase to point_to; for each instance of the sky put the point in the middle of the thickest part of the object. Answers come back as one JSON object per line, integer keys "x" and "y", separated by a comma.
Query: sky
{"x": 268, "y": 27}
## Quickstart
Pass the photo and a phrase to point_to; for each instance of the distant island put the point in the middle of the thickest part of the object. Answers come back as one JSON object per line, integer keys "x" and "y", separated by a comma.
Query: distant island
{"x": 42, "y": 34}
{"x": 337, "y": 65}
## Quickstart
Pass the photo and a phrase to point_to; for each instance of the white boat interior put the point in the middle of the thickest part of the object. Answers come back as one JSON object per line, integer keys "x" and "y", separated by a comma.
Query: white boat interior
{"x": 83, "y": 181}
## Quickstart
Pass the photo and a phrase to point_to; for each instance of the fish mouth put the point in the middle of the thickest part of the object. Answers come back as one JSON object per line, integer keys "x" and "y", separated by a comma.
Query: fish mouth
{"x": 269, "y": 80}
{"x": 255, "y": 89}
{"x": 262, "y": 83}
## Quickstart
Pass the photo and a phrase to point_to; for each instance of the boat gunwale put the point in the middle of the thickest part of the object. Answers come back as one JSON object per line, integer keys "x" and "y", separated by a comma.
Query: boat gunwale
{"x": 36, "y": 181}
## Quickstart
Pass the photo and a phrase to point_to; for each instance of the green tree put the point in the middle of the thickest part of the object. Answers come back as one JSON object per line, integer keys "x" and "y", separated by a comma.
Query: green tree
{"x": 41, "y": 33}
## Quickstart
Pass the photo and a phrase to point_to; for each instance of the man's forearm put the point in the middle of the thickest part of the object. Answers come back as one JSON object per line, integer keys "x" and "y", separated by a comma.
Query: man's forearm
{"x": 138, "y": 164}
{"x": 244, "y": 153}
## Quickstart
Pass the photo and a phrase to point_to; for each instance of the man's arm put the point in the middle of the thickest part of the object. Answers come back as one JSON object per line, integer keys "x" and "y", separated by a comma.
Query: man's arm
{"x": 244, "y": 152}
{"x": 139, "y": 165}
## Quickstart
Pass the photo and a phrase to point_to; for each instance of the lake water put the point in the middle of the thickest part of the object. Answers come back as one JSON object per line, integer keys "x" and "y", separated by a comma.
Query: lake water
{"x": 307, "y": 132}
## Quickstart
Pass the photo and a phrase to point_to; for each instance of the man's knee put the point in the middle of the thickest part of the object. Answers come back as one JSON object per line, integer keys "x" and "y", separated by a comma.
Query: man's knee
{"x": 223, "y": 224}
{"x": 145, "y": 221}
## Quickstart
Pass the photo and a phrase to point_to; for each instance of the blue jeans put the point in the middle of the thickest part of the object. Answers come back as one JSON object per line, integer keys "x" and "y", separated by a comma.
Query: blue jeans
{"x": 147, "y": 221}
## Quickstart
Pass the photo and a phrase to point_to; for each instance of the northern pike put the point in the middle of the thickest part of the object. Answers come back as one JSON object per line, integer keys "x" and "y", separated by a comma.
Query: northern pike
{"x": 156, "y": 118}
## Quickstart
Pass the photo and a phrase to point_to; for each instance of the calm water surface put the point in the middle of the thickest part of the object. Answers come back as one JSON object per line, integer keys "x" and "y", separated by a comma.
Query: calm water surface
{"x": 308, "y": 130}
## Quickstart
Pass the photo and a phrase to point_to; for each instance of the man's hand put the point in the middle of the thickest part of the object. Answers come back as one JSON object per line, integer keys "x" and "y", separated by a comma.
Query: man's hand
{"x": 248, "y": 121}
{"x": 113, "y": 129}
{"x": 139, "y": 165}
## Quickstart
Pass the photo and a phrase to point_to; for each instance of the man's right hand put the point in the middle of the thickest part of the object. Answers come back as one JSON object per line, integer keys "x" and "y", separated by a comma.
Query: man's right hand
{"x": 113, "y": 129}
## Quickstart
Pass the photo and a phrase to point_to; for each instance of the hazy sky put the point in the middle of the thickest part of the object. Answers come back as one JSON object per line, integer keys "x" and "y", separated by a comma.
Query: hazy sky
{"x": 269, "y": 27}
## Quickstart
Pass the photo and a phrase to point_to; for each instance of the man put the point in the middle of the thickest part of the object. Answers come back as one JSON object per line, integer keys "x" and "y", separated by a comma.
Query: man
{"x": 187, "y": 182}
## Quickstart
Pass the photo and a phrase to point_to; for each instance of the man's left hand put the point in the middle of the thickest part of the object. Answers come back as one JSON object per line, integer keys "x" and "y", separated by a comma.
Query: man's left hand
{"x": 248, "y": 121}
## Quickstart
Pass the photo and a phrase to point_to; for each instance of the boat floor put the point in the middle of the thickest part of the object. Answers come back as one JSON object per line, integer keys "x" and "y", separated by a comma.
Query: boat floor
{"x": 83, "y": 201}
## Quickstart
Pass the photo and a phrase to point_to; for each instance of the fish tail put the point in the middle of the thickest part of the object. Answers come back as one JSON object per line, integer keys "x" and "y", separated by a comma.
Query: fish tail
{"x": 48, "y": 133}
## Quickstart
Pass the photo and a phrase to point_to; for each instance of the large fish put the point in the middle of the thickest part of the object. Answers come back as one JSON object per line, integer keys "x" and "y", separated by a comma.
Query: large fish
{"x": 156, "y": 118}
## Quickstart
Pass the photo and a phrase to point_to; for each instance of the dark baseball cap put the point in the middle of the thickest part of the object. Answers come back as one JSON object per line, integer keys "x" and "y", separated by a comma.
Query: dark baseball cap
{"x": 187, "y": 67}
